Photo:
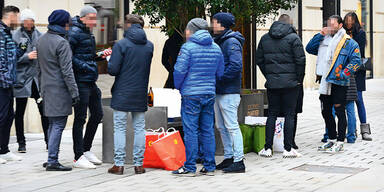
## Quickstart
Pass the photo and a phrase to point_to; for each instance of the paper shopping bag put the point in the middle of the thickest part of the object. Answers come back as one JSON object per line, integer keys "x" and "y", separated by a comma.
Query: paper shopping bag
{"x": 170, "y": 150}
{"x": 151, "y": 159}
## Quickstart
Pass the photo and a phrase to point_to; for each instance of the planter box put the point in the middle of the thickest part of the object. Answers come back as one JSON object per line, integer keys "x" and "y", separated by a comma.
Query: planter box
{"x": 155, "y": 117}
{"x": 251, "y": 104}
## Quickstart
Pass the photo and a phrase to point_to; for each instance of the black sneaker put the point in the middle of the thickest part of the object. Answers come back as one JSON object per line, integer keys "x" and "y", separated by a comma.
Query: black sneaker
{"x": 22, "y": 148}
{"x": 236, "y": 167}
{"x": 226, "y": 163}
{"x": 45, "y": 164}
{"x": 182, "y": 172}
{"x": 57, "y": 167}
{"x": 204, "y": 171}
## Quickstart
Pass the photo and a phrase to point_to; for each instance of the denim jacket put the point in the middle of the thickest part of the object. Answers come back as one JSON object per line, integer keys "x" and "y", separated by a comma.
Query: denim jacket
{"x": 346, "y": 60}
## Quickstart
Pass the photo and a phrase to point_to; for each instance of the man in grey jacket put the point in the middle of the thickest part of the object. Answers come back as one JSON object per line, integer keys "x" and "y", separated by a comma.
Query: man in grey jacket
{"x": 57, "y": 82}
{"x": 26, "y": 76}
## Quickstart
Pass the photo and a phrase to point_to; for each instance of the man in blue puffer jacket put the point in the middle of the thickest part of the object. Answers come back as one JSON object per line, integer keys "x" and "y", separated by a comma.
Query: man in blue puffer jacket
{"x": 228, "y": 92}
{"x": 199, "y": 64}
{"x": 84, "y": 63}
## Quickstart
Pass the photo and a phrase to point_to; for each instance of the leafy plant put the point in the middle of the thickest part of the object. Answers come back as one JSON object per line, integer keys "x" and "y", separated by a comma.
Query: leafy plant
{"x": 177, "y": 13}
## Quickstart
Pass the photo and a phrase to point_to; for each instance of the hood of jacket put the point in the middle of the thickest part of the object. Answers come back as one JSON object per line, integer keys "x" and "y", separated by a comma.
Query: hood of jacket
{"x": 136, "y": 34}
{"x": 201, "y": 37}
{"x": 279, "y": 30}
{"x": 78, "y": 23}
{"x": 230, "y": 34}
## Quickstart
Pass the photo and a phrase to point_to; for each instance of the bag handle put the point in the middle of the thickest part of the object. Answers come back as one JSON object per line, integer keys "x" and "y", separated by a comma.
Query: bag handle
{"x": 157, "y": 130}
{"x": 172, "y": 129}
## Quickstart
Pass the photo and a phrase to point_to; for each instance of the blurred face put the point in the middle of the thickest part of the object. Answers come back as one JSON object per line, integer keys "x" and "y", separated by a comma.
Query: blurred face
{"x": 334, "y": 26}
{"x": 188, "y": 34}
{"x": 28, "y": 24}
{"x": 216, "y": 27}
{"x": 349, "y": 22}
{"x": 89, "y": 20}
{"x": 67, "y": 26}
{"x": 13, "y": 19}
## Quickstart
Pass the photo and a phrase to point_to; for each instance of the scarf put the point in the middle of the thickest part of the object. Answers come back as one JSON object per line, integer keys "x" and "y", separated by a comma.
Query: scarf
{"x": 325, "y": 87}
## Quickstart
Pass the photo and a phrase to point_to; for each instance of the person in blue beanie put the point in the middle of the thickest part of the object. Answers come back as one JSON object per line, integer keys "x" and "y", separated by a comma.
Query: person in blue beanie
{"x": 199, "y": 64}
{"x": 228, "y": 92}
{"x": 57, "y": 82}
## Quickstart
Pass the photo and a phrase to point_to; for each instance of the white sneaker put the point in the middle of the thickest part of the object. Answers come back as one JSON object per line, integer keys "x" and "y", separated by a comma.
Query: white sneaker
{"x": 2, "y": 161}
{"x": 326, "y": 146}
{"x": 92, "y": 158}
{"x": 265, "y": 153}
{"x": 83, "y": 163}
{"x": 336, "y": 148}
{"x": 10, "y": 157}
{"x": 291, "y": 154}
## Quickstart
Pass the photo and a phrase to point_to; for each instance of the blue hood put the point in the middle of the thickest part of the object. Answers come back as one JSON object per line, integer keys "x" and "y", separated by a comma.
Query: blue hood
{"x": 136, "y": 34}
{"x": 201, "y": 37}
{"x": 229, "y": 34}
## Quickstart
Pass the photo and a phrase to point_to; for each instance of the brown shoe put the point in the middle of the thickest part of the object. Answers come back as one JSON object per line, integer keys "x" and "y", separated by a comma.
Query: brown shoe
{"x": 117, "y": 170}
{"x": 139, "y": 170}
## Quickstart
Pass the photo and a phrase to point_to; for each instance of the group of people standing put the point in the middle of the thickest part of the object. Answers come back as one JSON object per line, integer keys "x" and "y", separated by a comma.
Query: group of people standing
{"x": 340, "y": 70}
{"x": 59, "y": 70}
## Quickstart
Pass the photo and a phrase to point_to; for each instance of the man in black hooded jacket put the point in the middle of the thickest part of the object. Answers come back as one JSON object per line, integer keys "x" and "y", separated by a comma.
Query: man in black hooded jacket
{"x": 281, "y": 58}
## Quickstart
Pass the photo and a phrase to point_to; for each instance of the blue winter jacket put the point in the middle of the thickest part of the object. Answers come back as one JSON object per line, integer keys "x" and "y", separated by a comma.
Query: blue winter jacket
{"x": 199, "y": 63}
{"x": 347, "y": 62}
{"x": 231, "y": 44}
{"x": 9, "y": 54}
{"x": 83, "y": 48}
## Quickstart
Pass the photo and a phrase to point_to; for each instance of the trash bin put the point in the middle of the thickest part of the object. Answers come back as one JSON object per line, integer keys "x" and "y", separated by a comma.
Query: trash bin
{"x": 155, "y": 117}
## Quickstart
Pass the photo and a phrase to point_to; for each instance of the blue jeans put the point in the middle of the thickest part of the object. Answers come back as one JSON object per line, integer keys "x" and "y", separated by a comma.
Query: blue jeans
{"x": 197, "y": 115}
{"x": 351, "y": 117}
{"x": 120, "y": 128}
{"x": 55, "y": 130}
{"x": 351, "y": 125}
{"x": 361, "y": 108}
{"x": 226, "y": 122}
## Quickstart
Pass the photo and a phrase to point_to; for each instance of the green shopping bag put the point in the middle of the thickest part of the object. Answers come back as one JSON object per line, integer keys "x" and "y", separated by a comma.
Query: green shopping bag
{"x": 258, "y": 138}
{"x": 247, "y": 132}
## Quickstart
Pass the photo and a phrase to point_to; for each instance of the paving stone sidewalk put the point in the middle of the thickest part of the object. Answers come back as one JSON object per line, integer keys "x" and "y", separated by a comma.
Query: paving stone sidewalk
{"x": 364, "y": 161}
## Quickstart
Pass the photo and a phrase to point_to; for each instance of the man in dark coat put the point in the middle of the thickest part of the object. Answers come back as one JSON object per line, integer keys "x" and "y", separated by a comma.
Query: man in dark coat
{"x": 228, "y": 92}
{"x": 8, "y": 58}
{"x": 281, "y": 58}
{"x": 84, "y": 63}
{"x": 57, "y": 82}
{"x": 27, "y": 84}
{"x": 170, "y": 51}
{"x": 130, "y": 63}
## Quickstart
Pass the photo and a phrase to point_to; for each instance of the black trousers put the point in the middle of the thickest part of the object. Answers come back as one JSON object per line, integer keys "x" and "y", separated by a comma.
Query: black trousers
{"x": 90, "y": 98}
{"x": 337, "y": 99}
{"x": 284, "y": 100}
{"x": 21, "y": 104}
{"x": 6, "y": 118}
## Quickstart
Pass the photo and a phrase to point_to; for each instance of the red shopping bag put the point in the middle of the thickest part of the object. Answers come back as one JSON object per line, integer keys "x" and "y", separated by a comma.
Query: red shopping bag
{"x": 171, "y": 150}
{"x": 151, "y": 159}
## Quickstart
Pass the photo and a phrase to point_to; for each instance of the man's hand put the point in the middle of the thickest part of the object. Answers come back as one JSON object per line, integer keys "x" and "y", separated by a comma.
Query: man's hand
{"x": 318, "y": 79}
{"x": 32, "y": 55}
{"x": 107, "y": 52}
{"x": 324, "y": 31}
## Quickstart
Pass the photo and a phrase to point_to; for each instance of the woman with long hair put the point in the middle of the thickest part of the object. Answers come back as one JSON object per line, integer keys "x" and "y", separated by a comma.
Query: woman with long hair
{"x": 354, "y": 29}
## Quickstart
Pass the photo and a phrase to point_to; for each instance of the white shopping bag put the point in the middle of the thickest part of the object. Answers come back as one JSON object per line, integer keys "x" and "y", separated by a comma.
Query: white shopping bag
{"x": 278, "y": 139}
{"x": 170, "y": 98}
